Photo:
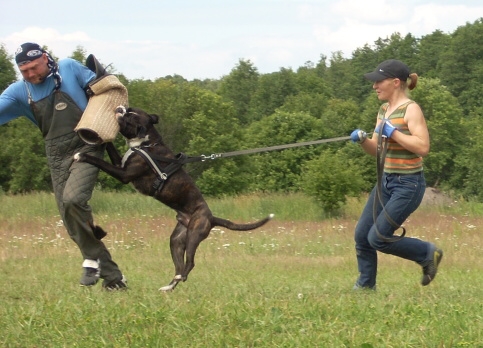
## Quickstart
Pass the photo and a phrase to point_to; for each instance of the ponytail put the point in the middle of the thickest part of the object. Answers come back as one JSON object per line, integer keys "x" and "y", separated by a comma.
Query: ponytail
{"x": 413, "y": 81}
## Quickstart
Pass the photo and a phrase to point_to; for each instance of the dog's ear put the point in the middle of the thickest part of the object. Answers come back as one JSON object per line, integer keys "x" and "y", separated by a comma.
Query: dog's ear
{"x": 154, "y": 118}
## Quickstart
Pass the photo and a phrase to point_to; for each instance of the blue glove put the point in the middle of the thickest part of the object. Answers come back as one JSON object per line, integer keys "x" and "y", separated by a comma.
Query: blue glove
{"x": 358, "y": 136}
{"x": 387, "y": 130}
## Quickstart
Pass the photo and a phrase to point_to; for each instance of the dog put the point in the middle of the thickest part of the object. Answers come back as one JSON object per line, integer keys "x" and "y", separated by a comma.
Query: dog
{"x": 178, "y": 191}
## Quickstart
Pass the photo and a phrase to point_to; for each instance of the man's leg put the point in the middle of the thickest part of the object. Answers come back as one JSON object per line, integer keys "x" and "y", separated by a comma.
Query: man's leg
{"x": 79, "y": 221}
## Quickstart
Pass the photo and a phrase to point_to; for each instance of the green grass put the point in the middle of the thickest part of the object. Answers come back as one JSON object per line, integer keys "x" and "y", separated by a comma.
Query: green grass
{"x": 287, "y": 284}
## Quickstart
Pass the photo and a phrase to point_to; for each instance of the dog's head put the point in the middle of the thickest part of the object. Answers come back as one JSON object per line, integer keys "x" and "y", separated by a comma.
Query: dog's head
{"x": 135, "y": 125}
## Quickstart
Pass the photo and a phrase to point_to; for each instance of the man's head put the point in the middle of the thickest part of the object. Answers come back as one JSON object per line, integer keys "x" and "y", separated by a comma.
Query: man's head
{"x": 32, "y": 62}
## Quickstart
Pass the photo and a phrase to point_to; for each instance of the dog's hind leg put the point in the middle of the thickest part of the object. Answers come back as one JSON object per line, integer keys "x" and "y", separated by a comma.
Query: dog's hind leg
{"x": 177, "y": 245}
{"x": 198, "y": 230}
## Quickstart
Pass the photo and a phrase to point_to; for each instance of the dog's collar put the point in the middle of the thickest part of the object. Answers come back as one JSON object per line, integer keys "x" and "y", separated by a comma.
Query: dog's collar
{"x": 137, "y": 142}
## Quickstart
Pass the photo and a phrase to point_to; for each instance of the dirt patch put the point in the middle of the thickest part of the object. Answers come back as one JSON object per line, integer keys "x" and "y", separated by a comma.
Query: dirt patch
{"x": 434, "y": 196}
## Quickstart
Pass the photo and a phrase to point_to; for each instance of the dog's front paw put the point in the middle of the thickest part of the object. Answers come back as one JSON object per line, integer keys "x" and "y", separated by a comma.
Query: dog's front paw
{"x": 78, "y": 157}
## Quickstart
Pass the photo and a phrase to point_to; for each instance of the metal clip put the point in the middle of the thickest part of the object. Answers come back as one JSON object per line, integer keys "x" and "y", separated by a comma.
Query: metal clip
{"x": 212, "y": 156}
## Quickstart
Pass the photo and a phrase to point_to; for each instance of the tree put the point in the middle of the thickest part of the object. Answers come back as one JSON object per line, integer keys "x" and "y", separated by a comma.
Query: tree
{"x": 443, "y": 116}
{"x": 272, "y": 91}
{"x": 7, "y": 70}
{"x": 7, "y": 76}
{"x": 215, "y": 129}
{"x": 342, "y": 79}
{"x": 398, "y": 47}
{"x": 330, "y": 179}
{"x": 80, "y": 54}
{"x": 341, "y": 117}
{"x": 311, "y": 79}
{"x": 25, "y": 159}
{"x": 461, "y": 64}
{"x": 279, "y": 171}
{"x": 467, "y": 179}
{"x": 312, "y": 103}
{"x": 431, "y": 48}
{"x": 364, "y": 60}
{"x": 239, "y": 86}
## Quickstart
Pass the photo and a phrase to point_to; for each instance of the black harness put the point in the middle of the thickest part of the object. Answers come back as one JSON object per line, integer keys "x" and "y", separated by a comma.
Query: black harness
{"x": 174, "y": 164}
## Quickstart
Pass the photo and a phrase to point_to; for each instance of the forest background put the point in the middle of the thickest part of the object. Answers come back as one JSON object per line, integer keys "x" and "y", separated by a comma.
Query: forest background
{"x": 320, "y": 100}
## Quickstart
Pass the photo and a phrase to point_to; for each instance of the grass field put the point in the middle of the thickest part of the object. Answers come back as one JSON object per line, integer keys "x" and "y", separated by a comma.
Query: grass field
{"x": 287, "y": 284}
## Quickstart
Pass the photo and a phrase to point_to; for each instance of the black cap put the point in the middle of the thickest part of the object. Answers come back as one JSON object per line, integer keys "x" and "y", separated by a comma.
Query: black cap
{"x": 28, "y": 52}
{"x": 391, "y": 68}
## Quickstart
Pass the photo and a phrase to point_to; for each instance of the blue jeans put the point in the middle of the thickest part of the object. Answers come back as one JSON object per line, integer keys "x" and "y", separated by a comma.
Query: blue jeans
{"x": 401, "y": 195}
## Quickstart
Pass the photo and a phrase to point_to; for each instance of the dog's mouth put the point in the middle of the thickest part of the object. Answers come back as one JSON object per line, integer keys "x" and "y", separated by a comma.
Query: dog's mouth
{"x": 120, "y": 111}
{"x": 135, "y": 136}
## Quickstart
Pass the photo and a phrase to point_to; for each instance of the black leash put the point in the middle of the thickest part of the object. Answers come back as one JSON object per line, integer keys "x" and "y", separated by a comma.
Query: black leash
{"x": 382, "y": 142}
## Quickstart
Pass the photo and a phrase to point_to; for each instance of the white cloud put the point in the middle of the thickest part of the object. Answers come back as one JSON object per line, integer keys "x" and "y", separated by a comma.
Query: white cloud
{"x": 430, "y": 17}
{"x": 204, "y": 40}
{"x": 62, "y": 44}
{"x": 374, "y": 12}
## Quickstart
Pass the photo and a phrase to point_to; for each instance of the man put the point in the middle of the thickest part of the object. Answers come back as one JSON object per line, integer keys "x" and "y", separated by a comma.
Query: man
{"x": 53, "y": 97}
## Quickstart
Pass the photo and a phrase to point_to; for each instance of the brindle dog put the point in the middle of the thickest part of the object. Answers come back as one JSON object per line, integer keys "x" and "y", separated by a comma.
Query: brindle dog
{"x": 179, "y": 191}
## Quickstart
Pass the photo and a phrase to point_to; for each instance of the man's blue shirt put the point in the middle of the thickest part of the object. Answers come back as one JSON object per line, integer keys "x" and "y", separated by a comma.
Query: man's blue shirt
{"x": 14, "y": 100}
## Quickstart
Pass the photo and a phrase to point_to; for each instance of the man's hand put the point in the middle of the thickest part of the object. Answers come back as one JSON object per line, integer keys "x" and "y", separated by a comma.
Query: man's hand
{"x": 358, "y": 136}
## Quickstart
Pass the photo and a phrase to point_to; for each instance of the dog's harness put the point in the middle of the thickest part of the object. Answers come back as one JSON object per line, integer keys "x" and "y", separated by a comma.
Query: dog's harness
{"x": 162, "y": 174}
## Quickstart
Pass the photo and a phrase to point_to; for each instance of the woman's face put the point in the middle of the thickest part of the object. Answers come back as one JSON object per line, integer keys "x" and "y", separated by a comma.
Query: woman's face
{"x": 36, "y": 71}
{"x": 385, "y": 88}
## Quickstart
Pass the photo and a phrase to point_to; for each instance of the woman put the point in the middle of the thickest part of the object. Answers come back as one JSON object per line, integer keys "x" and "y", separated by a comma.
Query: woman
{"x": 400, "y": 122}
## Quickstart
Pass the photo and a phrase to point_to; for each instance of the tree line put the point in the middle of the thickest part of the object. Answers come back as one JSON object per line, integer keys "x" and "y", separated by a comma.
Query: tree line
{"x": 319, "y": 100}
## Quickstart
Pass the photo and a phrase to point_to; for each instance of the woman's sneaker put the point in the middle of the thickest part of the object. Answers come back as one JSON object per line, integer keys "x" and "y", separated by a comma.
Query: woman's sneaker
{"x": 430, "y": 270}
{"x": 120, "y": 284}
{"x": 358, "y": 287}
{"x": 91, "y": 273}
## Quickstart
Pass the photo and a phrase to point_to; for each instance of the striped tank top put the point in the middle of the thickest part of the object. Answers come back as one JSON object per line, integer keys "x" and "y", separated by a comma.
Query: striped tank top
{"x": 398, "y": 159}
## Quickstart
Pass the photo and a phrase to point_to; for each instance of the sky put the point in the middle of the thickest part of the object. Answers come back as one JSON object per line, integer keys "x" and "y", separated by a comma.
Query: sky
{"x": 205, "y": 39}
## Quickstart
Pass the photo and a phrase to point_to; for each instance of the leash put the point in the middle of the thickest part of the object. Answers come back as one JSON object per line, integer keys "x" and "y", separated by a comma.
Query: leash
{"x": 382, "y": 144}
{"x": 213, "y": 156}
{"x": 180, "y": 159}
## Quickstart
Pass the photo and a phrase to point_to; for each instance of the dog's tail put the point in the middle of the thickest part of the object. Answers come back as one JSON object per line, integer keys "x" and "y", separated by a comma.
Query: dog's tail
{"x": 240, "y": 227}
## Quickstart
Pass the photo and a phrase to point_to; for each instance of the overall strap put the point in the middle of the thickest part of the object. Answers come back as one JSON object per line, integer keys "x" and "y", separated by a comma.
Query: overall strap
{"x": 29, "y": 94}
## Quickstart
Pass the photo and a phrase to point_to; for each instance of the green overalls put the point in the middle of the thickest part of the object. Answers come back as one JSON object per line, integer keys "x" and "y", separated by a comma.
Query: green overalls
{"x": 73, "y": 182}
